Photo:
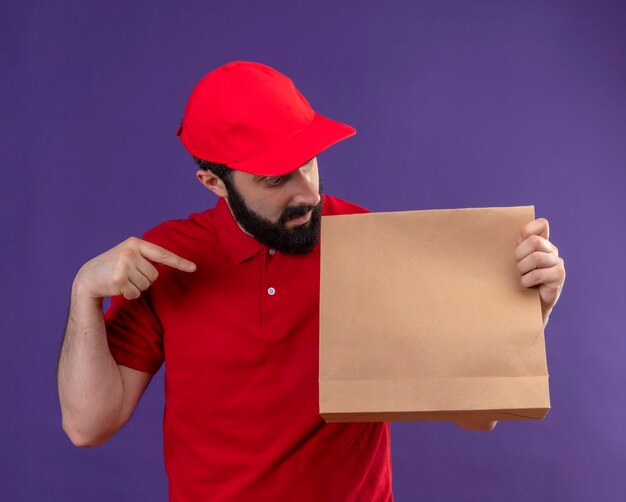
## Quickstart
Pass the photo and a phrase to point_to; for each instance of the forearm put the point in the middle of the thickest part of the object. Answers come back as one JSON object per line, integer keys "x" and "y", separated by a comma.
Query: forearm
{"x": 89, "y": 381}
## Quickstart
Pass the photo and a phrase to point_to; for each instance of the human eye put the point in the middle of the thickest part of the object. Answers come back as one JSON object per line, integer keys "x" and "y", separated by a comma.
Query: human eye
{"x": 274, "y": 180}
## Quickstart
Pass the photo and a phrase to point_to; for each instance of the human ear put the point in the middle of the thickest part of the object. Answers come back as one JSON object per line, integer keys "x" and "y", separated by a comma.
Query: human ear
{"x": 211, "y": 182}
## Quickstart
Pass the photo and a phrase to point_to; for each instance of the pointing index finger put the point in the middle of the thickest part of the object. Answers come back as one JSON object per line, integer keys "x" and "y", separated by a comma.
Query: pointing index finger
{"x": 161, "y": 255}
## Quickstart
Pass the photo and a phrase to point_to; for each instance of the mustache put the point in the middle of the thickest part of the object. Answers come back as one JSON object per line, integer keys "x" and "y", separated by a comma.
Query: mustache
{"x": 291, "y": 212}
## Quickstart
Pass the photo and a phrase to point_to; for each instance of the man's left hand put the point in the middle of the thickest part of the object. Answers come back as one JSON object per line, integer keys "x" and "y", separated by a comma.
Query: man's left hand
{"x": 476, "y": 425}
{"x": 539, "y": 264}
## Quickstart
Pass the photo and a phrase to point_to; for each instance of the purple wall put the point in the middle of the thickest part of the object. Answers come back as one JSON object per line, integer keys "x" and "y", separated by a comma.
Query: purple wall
{"x": 457, "y": 104}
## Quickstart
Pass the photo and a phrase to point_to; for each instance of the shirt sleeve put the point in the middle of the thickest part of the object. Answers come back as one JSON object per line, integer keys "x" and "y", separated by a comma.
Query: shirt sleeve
{"x": 134, "y": 333}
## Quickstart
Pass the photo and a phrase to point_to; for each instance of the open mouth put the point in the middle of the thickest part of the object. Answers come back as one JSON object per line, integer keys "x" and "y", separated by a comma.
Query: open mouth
{"x": 300, "y": 220}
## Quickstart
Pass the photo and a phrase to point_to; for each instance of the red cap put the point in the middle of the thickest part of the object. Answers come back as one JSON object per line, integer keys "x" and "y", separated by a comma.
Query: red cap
{"x": 253, "y": 119}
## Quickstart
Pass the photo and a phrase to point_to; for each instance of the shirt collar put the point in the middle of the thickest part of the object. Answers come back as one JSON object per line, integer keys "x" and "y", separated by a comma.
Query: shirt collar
{"x": 239, "y": 245}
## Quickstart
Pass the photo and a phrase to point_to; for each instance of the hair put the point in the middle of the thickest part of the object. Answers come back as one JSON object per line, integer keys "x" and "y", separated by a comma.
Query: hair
{"x": 222, "y": 171}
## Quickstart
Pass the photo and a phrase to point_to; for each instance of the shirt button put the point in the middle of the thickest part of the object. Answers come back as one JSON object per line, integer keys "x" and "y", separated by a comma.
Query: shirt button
{"x": 272, "y": 252}
{"x": 271, "y": 291}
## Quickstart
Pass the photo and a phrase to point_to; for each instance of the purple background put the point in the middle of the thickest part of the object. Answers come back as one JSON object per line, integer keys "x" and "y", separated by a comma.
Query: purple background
{"x": 457, "y": 104}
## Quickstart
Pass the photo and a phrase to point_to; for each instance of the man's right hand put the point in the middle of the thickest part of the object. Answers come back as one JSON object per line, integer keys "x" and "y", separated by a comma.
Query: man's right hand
{"x": 126, "y": 269}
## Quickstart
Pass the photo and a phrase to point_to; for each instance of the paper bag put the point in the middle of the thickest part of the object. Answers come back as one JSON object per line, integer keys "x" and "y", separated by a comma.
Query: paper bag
{"x": 423, "y": 317}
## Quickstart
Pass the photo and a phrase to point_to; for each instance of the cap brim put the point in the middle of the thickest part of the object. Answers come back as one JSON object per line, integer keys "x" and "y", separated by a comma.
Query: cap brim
{"x": 297, "y": 150}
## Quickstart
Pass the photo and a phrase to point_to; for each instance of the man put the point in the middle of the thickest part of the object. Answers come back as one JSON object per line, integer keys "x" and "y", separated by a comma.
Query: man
{"x": 234, "y": 311}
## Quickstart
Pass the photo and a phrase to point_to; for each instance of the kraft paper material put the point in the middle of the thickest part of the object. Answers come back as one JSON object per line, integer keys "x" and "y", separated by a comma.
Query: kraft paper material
{"x": 423, "y": 317}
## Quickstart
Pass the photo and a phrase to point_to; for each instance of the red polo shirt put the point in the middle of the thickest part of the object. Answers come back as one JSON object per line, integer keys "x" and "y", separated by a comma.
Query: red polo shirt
{"x": 239, "y": 337}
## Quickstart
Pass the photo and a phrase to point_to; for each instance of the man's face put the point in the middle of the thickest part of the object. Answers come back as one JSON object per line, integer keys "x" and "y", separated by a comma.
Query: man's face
{"x": 283, "y": 212}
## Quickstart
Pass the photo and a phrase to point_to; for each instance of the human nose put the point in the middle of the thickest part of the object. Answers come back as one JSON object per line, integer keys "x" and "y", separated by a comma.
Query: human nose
{"x": 307, "y": 188}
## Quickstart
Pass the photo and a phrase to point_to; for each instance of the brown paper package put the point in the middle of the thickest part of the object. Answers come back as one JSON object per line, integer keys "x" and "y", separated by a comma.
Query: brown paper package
{"x": 423, "y": 317}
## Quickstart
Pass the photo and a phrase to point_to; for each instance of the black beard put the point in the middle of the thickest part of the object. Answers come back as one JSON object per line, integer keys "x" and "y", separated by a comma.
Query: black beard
{"x": 298, "y": 240}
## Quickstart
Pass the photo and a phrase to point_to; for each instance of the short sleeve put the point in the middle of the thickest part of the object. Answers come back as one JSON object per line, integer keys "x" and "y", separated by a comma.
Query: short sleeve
{"x": 134, "y": 333}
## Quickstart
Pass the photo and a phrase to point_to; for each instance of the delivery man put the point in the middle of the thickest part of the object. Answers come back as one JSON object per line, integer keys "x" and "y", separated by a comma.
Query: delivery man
{"x": 229, "y": 299}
